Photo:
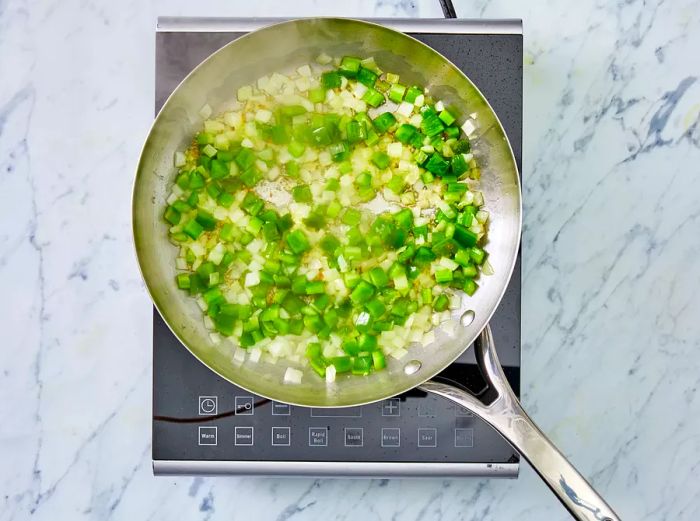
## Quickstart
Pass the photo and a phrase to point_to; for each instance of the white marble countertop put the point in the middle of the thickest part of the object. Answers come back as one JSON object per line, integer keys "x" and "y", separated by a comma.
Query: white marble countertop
{"x": 611, "y": 313}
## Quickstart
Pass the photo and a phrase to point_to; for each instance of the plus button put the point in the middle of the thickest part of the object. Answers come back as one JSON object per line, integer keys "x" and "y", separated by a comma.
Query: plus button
{"x": 391, "y": 407}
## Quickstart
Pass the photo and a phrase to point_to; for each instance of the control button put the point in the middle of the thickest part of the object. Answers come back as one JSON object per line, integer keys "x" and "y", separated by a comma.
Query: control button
{"x": 244, "y": 405}
{"x": 281, "y": 409}
{"x": 464, "y": 437}
{"x": 427, "y": 437}
{"x": 391, "y": 437}
{"x": 281, "y": 436}
{"x": 461, "y": 411}
{"x": 391, "y": 407}
{"x": 318, "y": 437}
{"x": 426, "y": 409}
{"x": 353, "y": 436}
{"x": 208, "y": 405}
{"x": 207, "y": 436}
{"x": 243, "y": 436}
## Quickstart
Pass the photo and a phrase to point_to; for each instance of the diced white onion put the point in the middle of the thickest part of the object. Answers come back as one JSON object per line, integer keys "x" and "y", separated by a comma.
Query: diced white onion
{"x": 323, "y": 59}
{"x": 394, "y": 149}
{"x": 405, "y": 109}
{"x": 197, "y": 249}
{"x": 208, "y": 322}
{"x": 213, "y": 127}
{"x": 469, "y": 127}
{"x": 401, "y": 282}
{"x": 330, "y": 374}
{"x": 239, "y": 355}
{"x": 280, "y": 347}
{"x": 244, "y": 93}
{"x": 448, "y": 263}
{"x": 278, "y": 80}
{"x": 263, "y": 116}
{"x": 449, "y": 328}
{"x": 255, "y": 246}
{"x": 254, "y": 355}
{"x": 221, "y": 142}
{"x": 263, "y": 83}
{"x": 292, "y": 376}
{"x": 205, "y": 111}
{"x": 359, "y": 90}
{"x": 249, "y": 128}
{"x": 233, "y": 119}
{"x": 261, "y": 165}
{"x": 217, "y": 254}
{"x": 179, "y": 159}
{"x": 302, "y": 84}
{"x": 252, "y": 279}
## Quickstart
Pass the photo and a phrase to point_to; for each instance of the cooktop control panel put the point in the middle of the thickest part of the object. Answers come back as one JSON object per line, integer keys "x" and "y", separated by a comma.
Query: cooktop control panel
{"x": 201, "y": 416}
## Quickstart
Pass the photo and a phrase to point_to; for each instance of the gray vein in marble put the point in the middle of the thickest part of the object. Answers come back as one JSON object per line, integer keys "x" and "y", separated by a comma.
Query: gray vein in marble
{"x": 658, "y": 121}
{"x": 300, "y": 505}
{"x": 45, "y": 495}
{"x": 21, "y": 106}
{"x": 126, "y": 482}
{"x": 194, "y": 487}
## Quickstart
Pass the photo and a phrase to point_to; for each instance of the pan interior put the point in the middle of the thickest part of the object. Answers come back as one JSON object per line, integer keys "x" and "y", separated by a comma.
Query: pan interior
{"x": 280, "y": 48}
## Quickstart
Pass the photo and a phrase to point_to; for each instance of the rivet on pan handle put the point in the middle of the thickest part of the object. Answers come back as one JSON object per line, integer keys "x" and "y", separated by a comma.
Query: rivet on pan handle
{"x": 505, "y": 414}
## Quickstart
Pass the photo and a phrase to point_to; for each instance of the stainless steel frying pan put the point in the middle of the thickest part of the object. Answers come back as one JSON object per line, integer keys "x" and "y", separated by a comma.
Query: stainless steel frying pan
{"x": 283, "y": 47}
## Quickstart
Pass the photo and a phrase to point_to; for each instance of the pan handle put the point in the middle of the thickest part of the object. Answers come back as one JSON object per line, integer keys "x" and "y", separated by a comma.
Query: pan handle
{"x": 505, "y": 414}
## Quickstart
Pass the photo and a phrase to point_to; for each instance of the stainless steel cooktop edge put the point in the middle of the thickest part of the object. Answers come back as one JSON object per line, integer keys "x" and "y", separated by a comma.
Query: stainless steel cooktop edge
{"x": 407, "y": 25}
{"x": 334, "y": 469}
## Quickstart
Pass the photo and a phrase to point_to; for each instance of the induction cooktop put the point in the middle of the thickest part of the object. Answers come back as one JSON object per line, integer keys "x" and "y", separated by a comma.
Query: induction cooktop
{"x": 203, "y": 424}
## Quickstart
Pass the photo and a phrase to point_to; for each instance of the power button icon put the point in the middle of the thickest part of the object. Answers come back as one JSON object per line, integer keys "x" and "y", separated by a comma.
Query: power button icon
{"x": 208, "y": 405}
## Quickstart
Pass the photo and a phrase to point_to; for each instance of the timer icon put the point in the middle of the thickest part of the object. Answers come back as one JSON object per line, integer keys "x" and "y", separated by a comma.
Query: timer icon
{"x": 208, "y": 405}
